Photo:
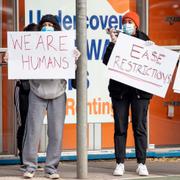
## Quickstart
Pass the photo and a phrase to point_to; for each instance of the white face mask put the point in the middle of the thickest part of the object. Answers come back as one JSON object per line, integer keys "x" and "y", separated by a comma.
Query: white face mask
{"x": 47, "y": 28}
{"x": 128, "y": 28}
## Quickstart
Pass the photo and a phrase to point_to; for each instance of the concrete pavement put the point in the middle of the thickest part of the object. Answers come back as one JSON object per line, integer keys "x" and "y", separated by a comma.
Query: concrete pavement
{"x": 102, "y": 170}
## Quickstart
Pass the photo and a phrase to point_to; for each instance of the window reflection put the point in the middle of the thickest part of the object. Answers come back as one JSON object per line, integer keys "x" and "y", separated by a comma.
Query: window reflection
{"x": 7, "y": 119}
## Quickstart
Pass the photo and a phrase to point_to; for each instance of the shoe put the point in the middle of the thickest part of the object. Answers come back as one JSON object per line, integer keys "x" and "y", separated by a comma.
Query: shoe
{"x": 52, "y": 175}
{"x": 22, "y": 168}
{"x": 142, "y": 170}
{"x": 29, "y": 175}
{"x": 119, "y": 170}
{"x": 40, "y": 168}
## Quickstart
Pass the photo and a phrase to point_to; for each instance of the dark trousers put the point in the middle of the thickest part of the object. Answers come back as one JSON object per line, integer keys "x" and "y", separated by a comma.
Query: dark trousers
{"x": 139, "y": 109}
{"x": 23, "y": 108}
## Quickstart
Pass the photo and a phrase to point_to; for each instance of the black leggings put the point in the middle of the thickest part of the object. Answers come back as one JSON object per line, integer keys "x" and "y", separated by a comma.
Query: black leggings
{"x": 23, "y": 108}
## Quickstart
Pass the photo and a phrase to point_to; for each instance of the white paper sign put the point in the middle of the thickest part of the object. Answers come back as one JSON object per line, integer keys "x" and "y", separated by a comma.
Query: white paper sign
{"x": 41, "y": 55}
{"x": 148, "y": 68}
{"x": 176, "y": 85}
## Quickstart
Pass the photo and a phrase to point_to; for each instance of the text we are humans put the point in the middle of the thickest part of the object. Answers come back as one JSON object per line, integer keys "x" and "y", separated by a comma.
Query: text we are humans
{"x": 42, "y": 50}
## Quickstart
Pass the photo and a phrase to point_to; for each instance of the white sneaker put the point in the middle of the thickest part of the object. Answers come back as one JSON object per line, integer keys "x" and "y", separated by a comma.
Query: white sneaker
{"x": 52, "y": 175}
{"x": 22, "y": 168}
{"x": 29, "y": 175}
{"x": 119, "y": 170}
{"x": 142, "y": 170}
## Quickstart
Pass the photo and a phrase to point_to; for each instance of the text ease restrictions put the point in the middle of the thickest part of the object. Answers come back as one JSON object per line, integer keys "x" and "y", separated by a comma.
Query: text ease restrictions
{"x": 41, "y": 55}
{"x": 148, "y": 68}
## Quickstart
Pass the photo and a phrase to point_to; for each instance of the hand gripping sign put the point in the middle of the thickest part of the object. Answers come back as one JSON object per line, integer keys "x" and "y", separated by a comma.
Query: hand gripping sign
{"x": 148, "y": 68}
{"x": 41, "y": 55}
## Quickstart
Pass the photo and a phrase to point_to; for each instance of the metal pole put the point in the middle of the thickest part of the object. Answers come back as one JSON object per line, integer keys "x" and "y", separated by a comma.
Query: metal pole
{"x": 147, "y": 17}
{"x": 81, "y": 39}
{"x": 143, "y": 11}
{"x": 147, "y": 32}
{"x": 16, "y": 15}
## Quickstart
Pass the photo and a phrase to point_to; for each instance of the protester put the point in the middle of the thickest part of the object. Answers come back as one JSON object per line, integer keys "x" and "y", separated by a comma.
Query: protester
{"x": 21, "y": 98}
{"x": 22, "y": 103}
{"x": 50, "y": 96}
{"x": 123, "y": 97}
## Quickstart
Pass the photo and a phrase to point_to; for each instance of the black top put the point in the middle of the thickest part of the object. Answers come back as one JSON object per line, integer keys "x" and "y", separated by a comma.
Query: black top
{"x": 119, "y": 90}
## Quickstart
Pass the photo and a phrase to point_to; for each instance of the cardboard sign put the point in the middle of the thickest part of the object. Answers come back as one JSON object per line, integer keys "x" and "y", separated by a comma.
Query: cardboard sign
{"x": 148, "y": 68}
{"x": 41, "y": 55}
{"x": 176, "y": 85}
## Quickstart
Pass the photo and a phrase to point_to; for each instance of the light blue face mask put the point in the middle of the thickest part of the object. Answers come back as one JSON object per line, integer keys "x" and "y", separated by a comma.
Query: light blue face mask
{"x": 128, "y": 28}
{"x": 47, "y": 28}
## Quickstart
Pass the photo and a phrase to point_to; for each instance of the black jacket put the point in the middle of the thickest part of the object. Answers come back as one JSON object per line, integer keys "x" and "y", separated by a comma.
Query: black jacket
{"x": 119, "y": 90}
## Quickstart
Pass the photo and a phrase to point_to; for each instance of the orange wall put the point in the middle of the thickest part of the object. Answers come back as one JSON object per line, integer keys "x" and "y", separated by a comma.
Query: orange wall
{"x": 69, "y": 136}
{"x": 161, "y": 31}
{"x": 108, "y": 135}
{"x": 164, "y": 130}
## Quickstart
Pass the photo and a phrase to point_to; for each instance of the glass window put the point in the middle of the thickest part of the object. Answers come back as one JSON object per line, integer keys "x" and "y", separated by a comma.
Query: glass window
{"x": 7, "y": 125}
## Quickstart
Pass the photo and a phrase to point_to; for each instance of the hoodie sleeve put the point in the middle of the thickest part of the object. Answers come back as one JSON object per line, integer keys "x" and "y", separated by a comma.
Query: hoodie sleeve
{"x": 107, "y": 53}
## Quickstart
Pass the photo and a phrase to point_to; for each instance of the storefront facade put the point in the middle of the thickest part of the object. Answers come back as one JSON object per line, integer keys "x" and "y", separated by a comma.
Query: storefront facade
{"x": 160, "y": 19}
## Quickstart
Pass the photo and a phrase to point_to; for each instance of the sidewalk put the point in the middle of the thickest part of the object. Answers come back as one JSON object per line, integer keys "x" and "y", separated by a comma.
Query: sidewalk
{"x": 102, "y": 170}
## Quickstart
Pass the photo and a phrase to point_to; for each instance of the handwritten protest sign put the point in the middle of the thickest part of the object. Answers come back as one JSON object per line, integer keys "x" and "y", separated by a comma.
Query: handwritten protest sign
{"x": 176, "y": 85}
{"x": 41, "y": 55}
{"x": 148, "y": 68}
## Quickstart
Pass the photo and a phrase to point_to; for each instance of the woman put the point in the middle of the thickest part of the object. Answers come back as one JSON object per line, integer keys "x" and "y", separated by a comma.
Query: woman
{"x": 23, "y": 97}
{"x": 123, "y": 97}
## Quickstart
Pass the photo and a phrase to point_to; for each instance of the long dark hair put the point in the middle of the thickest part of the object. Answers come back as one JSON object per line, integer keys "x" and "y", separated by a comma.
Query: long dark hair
{"x": 31, "y": 27}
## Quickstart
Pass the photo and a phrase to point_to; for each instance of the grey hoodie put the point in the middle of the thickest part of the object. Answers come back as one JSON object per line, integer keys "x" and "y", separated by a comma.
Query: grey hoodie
{"x": 48, "y": 89}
